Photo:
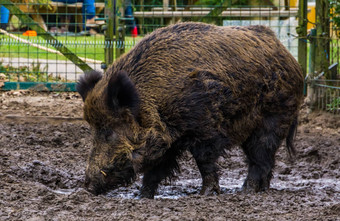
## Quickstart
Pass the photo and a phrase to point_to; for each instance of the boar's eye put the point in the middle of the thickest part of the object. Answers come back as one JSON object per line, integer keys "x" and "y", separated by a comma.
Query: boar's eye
{"x": 106, "y": 134}
{"x": 111, "y": 137}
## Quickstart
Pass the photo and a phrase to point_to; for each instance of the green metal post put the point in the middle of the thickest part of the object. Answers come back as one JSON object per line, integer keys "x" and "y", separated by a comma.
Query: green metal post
{"x": 302, "y": 32}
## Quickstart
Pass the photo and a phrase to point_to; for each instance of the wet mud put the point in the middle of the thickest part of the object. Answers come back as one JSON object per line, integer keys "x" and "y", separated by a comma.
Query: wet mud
{"x": 44, "y": 146}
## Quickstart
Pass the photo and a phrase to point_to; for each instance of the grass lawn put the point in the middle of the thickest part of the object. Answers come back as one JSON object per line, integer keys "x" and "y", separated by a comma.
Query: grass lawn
{"x": 83, "y": 46}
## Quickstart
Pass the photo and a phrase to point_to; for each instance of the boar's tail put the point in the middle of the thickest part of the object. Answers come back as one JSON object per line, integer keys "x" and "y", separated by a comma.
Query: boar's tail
{"x": 290, "y": 138}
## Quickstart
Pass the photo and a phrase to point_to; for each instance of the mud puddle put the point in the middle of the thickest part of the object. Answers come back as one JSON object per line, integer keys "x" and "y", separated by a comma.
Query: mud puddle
{"x": 190, "y": 187}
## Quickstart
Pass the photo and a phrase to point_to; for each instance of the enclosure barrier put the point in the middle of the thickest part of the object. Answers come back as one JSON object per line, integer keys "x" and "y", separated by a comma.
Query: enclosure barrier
{"x": 30, "y": 55}
{"x": 27, "y": 59}
{"x": 327, "y": 95}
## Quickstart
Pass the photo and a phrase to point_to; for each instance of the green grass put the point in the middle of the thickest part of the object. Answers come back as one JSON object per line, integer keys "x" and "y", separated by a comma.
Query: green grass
{"x": 91, "y": 47}
{"x": 334, "y": 104}
{"x": 30, "y": 73}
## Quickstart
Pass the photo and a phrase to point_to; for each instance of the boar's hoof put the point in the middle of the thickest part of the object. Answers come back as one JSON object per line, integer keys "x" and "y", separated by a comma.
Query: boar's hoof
{"x": 147, "y": 193}
{"x": 146, "y": 196}
{"x": 211, "y": 189}
{"x": 210, "y": 185}
{"x": 252, "y": 185}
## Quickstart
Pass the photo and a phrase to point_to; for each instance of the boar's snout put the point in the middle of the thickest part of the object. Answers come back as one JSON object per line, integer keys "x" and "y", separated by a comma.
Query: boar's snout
{"x": 120, "y": 173}
{"x": 92, "y": 187}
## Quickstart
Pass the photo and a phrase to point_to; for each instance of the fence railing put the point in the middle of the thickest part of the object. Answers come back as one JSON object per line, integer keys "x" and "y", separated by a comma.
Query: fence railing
{"x": 327, "y": 95}
{"x": 25, "y": 56}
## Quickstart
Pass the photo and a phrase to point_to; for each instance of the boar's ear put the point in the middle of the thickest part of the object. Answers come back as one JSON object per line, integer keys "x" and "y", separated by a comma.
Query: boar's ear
{"x": 87, "y": 82}
{"x": 122, "y": 92}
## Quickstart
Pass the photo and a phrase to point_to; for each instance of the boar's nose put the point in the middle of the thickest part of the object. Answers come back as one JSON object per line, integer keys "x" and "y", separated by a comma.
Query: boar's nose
{"x": 92, "y": 190}
{"x": 90, "y": 187}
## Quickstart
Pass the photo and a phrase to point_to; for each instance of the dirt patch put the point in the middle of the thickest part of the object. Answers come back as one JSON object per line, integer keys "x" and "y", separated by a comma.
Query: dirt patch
{"x": 44, "y": 146}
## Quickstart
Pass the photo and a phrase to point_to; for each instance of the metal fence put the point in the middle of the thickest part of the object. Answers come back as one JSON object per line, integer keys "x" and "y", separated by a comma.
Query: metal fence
{"x": 324, "y": 56}
{"x": 327, "y": 90}
{"x": 281, "y": 17}
{"x": 26, "y": 56}
{"x": 327, "y": 95}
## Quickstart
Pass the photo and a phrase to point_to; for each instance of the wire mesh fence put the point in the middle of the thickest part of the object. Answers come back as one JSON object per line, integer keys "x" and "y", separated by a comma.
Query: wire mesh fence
{"x": 327, "y": 88}
{"x": 280, "y": 16}
{"x": 324, "y": 55}
{"x": 334, "y": 51}
{"x": 25, "y": 56}
{"x": 327, "y": 95}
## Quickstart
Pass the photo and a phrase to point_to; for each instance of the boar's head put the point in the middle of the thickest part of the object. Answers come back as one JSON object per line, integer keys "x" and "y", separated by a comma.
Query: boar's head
{"x": 111, "y": 104}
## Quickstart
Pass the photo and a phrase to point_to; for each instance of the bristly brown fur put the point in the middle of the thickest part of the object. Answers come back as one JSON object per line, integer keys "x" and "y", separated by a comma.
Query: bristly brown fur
{"x": 196, "y": 87}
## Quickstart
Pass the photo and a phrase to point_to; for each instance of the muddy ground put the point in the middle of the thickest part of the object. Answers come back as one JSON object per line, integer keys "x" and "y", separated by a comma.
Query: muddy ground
{"x": 44, "y": 145}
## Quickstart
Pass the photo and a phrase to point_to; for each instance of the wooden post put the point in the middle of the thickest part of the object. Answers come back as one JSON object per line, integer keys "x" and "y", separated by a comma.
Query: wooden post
{"x": 120, "y": 39}
{"x": 302, "y": 32}
{"x": 175, "y": 5}
{"x": 111, "y": 26}
{"x": 310, "y": 101}
{"x": 312, "y": 40}
{"x": 120, "y": 32}
{"x": 165, "y": 5}
{"x": 322, "y": 37}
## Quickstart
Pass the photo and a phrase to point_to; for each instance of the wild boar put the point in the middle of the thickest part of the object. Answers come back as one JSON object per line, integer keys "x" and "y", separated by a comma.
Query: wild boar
{"x": 195, "y": 87}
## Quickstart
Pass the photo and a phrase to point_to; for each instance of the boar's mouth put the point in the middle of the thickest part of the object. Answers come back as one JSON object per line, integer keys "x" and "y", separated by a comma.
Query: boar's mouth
{"x": 110, "y": 178}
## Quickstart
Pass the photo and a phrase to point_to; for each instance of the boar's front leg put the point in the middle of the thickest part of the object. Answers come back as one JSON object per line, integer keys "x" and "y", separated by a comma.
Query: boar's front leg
{"x": 165, "y": 168}
{"x": 206, "y": 156}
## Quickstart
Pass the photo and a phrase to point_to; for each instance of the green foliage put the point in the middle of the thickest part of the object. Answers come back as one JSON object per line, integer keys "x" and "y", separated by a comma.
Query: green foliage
{"x": 35, "y": 3}
{"x": 35, "y": 73}
{"x": 334, "y": 11}
{"x": 334, "y": 105}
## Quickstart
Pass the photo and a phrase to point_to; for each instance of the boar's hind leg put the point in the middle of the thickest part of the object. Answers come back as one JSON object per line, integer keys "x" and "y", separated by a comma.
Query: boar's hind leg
{"x": 206, "y": 157}
{"x": 260, "y": 149}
